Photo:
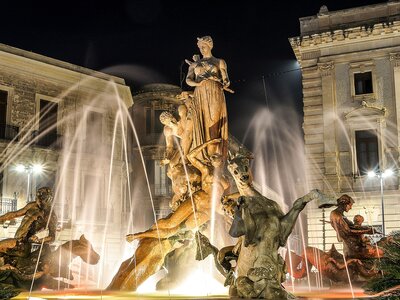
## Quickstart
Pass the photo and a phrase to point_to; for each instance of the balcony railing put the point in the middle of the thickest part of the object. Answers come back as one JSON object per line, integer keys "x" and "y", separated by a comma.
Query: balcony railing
{"x": 7, "y": 205}
{"x": 8, "y": 132}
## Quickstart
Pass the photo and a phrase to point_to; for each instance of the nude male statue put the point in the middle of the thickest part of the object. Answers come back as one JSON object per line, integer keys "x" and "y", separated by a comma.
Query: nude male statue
{"x": 38, "y": 216}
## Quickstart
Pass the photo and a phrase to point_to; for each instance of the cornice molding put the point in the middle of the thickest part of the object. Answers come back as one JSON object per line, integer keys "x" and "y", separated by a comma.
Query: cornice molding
{"x": 360, "y": 32}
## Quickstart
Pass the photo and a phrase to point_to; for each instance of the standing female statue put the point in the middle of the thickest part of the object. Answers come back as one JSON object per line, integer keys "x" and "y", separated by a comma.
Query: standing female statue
{"x": 208, "y": 108}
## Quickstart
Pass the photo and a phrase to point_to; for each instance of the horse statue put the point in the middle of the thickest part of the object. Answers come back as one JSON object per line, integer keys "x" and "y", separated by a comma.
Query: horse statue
{"x": 43, "y": 268}
{"x": 331, "y": 265}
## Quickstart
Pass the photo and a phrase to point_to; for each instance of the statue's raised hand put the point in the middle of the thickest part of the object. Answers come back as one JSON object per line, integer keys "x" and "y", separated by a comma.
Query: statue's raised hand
{"x": 313, "y": 195}
{"x": 130, "y": 237}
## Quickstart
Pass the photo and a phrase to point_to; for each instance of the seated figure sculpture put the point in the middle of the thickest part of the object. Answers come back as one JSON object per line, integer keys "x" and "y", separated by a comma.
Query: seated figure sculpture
{"x": 357, "y": 261}
{"x": 18, "y": 270}
{"x": 354, "y": 245}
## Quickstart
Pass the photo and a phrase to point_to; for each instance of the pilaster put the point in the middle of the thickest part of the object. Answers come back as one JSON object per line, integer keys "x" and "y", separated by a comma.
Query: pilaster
{"x": 327, "y": 72}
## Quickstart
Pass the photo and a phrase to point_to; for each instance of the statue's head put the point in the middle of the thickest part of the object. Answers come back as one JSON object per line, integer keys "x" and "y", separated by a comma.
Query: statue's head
{"x": 239, "y": 167}
{"x": 166, "y": 118}
{"x": 44, "y": 195}
{"x": 205, "y": 44}
{"x": 345, "y": 202}
{"x": 182, "y": 110}
{"x": 358, "y": 220}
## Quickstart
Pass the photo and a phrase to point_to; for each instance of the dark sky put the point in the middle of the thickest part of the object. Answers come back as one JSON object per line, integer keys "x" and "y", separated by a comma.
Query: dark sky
{"x": 147, "y": 40}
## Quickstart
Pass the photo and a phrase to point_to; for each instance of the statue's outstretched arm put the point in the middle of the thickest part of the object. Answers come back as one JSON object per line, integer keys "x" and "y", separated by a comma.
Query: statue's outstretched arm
{"x": 289, "y": 220}
{"x": 18, "y": 213}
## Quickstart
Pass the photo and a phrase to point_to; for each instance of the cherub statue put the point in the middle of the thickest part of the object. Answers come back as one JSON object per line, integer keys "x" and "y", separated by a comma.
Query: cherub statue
{"x": 176, "y": 158}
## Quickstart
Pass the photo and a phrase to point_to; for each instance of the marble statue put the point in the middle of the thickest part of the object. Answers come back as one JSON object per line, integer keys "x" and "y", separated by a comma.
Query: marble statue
{"x": 332, "y": 266}
{"x": 21, "y": 267}
{"x": 359, "y": 258}
{"x": 20, "y": 274}
{"x": 193, "y": 212}
{"x": 209, "y": 76}
{"x": 37, "y": 216}
{"x": 258, "y": 222}
{"x": 262, "y": 228}
{"x": 181, "y": 129}
{"x": 195, "y": 172}
{"x": 352, "y": 236}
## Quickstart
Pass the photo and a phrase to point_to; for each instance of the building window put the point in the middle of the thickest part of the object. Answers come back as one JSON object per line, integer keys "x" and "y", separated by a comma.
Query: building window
{"x": 3, "y": 107}
{"x": 363, "y": 83}
{"x": 161, "y": 183}
{"x": 158, "y": 126}
{"x": 3, "y": 113}
{"x": 1, "y": 181}
{"x": 153, "y": 123}
{"x": 147, "y": 116}
{"x": 47, "y": 123}
{"x": 94, "y": 131}
{"x": 149, "y": 163}
{"x": 367, "y": 151}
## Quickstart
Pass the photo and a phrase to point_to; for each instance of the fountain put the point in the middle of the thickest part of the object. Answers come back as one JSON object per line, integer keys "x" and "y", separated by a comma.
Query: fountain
{"x": 198, "y": 156}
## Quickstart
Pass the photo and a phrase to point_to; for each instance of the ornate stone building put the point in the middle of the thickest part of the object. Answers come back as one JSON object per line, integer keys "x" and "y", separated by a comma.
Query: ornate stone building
{"x": 351, "y": 93}
{"x": 69, "y": 123}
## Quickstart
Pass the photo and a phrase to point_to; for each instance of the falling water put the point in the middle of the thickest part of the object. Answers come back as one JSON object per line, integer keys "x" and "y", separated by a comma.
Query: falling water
{"x": 279, "y": 170}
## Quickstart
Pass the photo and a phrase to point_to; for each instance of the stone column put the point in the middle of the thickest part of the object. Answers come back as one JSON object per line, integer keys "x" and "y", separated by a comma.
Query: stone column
{"x": 395, "y": 59}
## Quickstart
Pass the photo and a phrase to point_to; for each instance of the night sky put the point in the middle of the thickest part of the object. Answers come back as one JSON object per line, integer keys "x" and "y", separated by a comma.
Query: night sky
{"x": 147, "y": 41}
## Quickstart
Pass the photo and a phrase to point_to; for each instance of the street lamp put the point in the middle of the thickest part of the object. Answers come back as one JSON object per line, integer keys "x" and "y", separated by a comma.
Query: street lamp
{"x": 381, "y": 175}
{"x": 29, "y": 169}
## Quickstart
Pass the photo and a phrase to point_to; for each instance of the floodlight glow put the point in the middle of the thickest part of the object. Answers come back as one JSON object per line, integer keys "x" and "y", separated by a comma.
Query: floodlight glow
{"x": 36, "y": 168}
{"x": 20, "y": 168}
{"x": 371, "y": 174}
{"x": 387, "y": 173}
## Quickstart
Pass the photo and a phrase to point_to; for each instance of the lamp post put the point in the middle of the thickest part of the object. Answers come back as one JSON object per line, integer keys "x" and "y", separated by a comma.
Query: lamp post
{"x": 29, "y": 169}
{"x": 381, "y": 175}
